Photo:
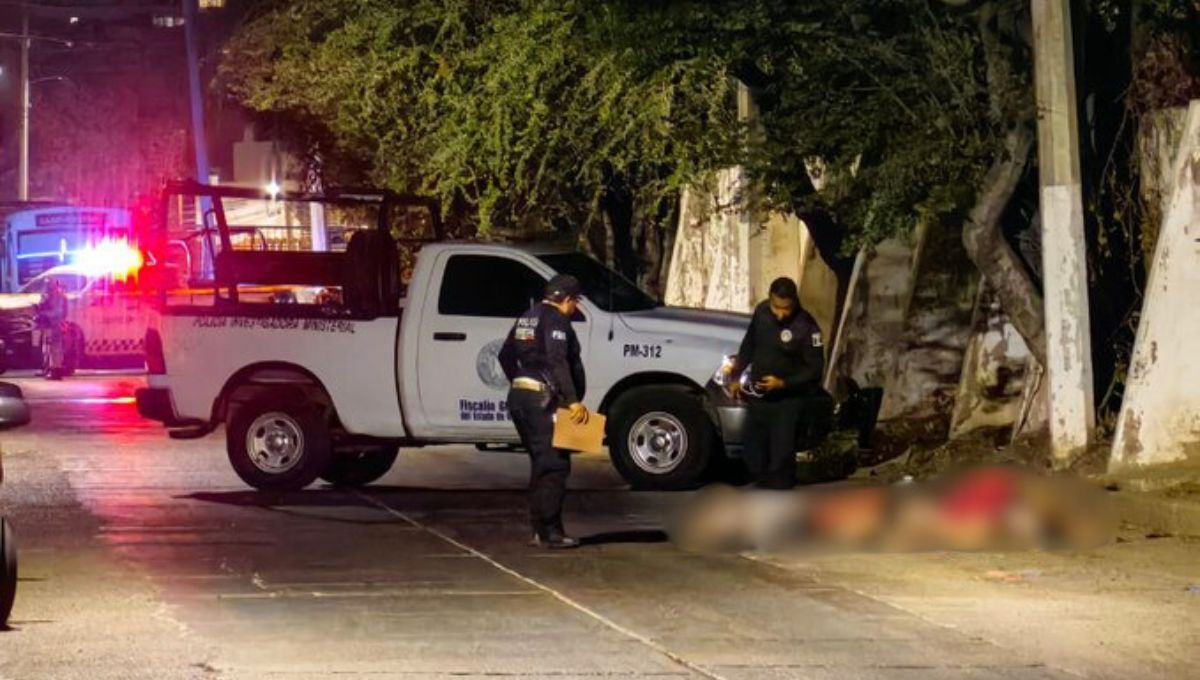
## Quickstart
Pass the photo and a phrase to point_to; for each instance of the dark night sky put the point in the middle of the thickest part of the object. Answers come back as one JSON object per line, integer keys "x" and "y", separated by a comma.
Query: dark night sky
{"x": 131, "y": 50}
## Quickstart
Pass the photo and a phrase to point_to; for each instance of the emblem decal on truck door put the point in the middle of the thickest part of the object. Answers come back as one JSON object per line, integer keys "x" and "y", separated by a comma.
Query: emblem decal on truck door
{"x": 487, "y": 366}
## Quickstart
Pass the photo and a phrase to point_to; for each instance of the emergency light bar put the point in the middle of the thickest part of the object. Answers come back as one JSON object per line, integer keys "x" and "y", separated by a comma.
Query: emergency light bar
{"x": 109, "y": 257}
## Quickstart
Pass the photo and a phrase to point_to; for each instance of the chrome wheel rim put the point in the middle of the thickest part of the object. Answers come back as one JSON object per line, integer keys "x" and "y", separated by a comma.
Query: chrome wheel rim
{"x": 275, "y": 443}
{"x": 658, "y": 442}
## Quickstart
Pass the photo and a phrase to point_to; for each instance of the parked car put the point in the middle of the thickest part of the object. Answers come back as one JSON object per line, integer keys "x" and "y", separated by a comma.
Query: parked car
{"x": 106, "y": 318}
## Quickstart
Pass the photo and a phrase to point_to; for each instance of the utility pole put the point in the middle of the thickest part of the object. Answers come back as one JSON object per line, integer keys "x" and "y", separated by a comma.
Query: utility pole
{"x": 1064, "y": 248}
{"x": 200, "y": 145}
{"x": 23, "y": 151}
{"x": 195, "y": 91}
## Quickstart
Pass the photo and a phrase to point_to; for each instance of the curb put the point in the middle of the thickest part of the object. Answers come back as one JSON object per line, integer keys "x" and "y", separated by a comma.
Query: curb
{"x": 1157, "y": 514}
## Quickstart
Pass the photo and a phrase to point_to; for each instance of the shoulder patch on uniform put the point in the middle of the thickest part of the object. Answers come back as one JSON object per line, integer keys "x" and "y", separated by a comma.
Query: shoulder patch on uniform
{"x": 816, "y": 339}
{"x": 559, "y": 335}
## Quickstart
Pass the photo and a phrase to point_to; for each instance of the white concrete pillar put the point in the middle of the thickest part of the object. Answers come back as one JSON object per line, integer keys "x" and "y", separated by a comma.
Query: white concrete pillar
{"x": 316, "y": 217}
{"x": 1064, "y": 248}
{"x": 1160, "y": 415}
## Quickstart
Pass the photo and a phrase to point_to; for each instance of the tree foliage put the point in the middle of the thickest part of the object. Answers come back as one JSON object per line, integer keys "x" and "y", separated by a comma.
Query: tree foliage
{"x": 518, "y": 112}
{"x": 527, "y": 114}
{"x": 99, "y": 143}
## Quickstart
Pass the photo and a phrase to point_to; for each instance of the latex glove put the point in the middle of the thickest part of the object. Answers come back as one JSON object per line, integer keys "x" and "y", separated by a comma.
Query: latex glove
{"x": 579, "y": 413}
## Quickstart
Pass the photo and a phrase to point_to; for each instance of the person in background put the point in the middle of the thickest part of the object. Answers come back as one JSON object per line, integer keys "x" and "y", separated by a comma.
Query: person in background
{"x": 52, "y": 313}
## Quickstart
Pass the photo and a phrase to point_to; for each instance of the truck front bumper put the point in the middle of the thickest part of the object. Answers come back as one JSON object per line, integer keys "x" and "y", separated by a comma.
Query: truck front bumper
{"x": 730, "y": 416}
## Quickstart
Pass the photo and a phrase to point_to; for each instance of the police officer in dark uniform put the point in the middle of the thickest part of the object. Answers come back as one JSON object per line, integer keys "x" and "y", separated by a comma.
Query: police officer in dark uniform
{"x": 541, "y": 359}
{"x": 52, "y": 313}
{"x": 784, "y": 352}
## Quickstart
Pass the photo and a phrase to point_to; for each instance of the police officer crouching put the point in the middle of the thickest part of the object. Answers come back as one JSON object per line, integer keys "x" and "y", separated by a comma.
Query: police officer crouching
{"x": 541, "y": 359}
{"x": 786, "y": 360}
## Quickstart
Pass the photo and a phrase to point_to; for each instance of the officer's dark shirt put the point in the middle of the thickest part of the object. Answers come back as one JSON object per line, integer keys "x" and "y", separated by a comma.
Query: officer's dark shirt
{"x": 790, "y": 350}
{"x": 53, "y": 305}
{"x": 542, "y": 346}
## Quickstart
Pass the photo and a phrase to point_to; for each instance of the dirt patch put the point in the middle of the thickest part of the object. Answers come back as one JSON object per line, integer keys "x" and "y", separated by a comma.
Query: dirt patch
{"x": 1189, "y": 490}
{"x": 925, "y": 455}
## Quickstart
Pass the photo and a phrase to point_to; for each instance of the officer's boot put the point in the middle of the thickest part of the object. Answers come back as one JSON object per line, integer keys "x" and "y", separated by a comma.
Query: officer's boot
{"x": 559, "y": 537}
{"x": 551, "y": 535}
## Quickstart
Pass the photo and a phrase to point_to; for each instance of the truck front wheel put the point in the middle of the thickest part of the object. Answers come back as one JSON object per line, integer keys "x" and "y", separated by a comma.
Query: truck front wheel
{"x": 277, "y": 442}
{"x": 361, "y": 466}
{"x": 660, "y": 438}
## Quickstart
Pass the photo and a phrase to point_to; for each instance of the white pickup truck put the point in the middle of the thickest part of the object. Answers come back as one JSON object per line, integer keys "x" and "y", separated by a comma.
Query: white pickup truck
{"x": 335, "y": 388}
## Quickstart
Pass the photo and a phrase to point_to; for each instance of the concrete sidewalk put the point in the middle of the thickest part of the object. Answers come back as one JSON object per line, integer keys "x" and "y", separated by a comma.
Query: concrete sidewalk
{"x": 1128, "y": 610}
{"x": 1162, "y": 500}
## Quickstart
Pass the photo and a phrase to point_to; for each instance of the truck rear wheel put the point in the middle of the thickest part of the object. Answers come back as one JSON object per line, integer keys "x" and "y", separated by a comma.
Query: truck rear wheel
{"x": 660, "y": 438}
{"x": 361, "y": 466}
{"x": 277, "y": 442}
{"x": 8, "y": 570}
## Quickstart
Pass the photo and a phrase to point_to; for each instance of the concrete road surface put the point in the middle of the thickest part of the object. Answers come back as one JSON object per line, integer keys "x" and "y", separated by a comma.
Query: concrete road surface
{"x": 144, "y": 557}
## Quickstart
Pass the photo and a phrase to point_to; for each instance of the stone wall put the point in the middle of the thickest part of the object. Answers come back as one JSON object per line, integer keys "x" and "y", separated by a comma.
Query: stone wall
{"x": 995, "y": 370}
{"x": 937, "y": 327}
{"x": 913, "y": 321}
{"x": 710, "y": 265}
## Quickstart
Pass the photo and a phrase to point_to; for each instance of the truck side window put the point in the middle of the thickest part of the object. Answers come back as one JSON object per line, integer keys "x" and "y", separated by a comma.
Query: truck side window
{"x": 488, "y": 286}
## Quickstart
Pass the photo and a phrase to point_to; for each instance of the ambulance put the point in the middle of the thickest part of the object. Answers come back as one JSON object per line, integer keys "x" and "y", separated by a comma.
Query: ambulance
{"x": 93, "y": 254}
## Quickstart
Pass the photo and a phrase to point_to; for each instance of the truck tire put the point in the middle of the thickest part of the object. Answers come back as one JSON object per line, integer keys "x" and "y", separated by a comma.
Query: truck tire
{"x": 360, "y": 467}
{"x": 8, "y": 570}
{"x": 660, "y": 438}
{"x": 277, "y": 442}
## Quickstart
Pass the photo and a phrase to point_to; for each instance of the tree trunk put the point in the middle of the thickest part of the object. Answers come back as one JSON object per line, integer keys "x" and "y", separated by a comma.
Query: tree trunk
{"x": 984, "y": 241}
{"x": 618, "y": 206}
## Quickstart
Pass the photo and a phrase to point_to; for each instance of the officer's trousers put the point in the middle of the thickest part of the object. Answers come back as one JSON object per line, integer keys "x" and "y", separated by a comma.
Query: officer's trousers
{"x": 777, "y": 428}
{"x": 533, "y": 414}
{"x": 54, "y": 345}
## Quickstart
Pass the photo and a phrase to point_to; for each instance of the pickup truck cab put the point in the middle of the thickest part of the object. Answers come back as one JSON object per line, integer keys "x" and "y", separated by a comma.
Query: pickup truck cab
{"x": 386, "y": 360}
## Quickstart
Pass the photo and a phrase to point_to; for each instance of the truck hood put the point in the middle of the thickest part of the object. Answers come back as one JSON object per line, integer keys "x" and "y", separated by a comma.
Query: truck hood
{"x": 722, "y": 327}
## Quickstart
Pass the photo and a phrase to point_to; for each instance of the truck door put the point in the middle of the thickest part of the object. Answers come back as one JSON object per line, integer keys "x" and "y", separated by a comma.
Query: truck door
{"x": 462, "y": 389}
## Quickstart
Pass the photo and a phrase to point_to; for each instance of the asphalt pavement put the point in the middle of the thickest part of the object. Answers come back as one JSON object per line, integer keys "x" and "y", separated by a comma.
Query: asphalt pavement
{"x": 145, "y": 557}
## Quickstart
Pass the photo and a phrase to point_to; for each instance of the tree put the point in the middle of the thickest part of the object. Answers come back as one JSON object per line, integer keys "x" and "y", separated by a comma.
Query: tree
{"x": 523, "y": 114}
{"x": 918, "y": 110}
{"x": 518, "y": 114}
{"x": 100, "y": 143}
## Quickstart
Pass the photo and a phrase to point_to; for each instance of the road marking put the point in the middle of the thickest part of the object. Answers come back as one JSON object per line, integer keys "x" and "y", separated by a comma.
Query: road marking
{"x": 371, "y": 594}
{"x": 556, "y": 594}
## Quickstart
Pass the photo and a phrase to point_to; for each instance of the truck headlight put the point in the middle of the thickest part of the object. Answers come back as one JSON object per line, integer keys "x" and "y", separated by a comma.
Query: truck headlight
{"x": 724, "y": 374}
{"x": 724, "y": 378}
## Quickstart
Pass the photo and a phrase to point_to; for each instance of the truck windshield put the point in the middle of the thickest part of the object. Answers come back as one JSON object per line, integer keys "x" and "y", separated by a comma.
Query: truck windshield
{"x": 604, "y": 287}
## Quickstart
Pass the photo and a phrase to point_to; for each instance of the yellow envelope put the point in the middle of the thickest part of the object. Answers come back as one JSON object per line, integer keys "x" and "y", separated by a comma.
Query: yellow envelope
{"x": 587, "y": 438}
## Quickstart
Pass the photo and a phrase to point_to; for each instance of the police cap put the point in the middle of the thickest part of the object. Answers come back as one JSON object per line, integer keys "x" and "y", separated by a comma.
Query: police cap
{"x": 561, "y": 287}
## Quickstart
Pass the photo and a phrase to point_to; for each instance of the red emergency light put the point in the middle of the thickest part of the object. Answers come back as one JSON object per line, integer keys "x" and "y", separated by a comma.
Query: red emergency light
{"x": 114, "y": 258}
